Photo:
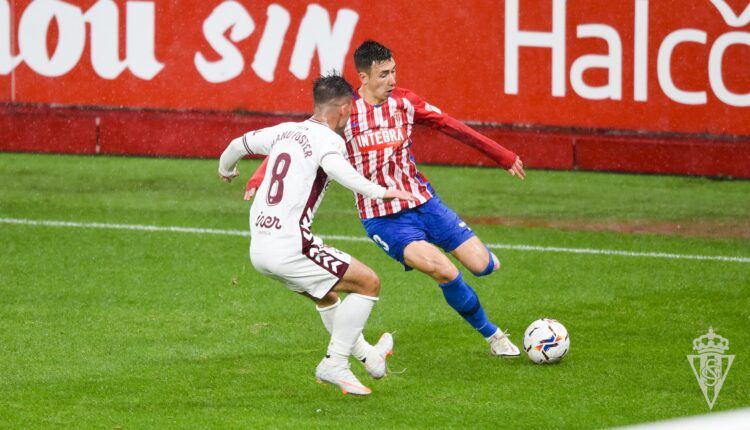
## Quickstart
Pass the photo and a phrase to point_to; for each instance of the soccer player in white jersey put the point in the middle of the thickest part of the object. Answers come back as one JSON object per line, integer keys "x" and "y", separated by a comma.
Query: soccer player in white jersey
{"x": 417, "y": 233}
{"x": 303, "y": 157}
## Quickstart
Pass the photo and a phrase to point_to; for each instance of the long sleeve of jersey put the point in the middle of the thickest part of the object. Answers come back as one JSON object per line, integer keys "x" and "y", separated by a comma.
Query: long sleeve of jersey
{"x": 338, "y": 169}
{"x": 334, "y": 164}
{"x": 426, "y": 114}
{"x": 254, "y": 142}
{"x": 231, "y": 156}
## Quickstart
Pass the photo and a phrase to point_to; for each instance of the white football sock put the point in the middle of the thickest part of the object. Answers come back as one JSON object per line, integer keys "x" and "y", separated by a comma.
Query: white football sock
{"x": 351, "y": 317}
{"x": 328, "y": 314}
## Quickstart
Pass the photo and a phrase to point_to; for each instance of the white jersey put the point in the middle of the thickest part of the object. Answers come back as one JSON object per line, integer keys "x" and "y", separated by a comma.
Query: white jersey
{"x": 301, "y": 156}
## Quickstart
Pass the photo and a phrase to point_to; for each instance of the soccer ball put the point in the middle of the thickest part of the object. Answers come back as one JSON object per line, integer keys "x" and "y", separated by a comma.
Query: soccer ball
{"x": 546, "y": 341}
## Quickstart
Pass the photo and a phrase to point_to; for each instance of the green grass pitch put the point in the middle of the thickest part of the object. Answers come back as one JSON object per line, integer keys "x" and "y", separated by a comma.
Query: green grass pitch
{"x": 104, "y": 328}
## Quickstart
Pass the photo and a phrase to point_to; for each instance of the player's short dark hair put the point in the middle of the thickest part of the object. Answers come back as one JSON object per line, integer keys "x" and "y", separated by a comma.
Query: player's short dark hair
{"x": 370, "y": 52}
{"x": 330, "y": 87}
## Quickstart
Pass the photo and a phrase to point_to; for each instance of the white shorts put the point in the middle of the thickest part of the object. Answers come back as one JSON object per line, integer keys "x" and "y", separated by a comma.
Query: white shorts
{"x": 315, "y": 271}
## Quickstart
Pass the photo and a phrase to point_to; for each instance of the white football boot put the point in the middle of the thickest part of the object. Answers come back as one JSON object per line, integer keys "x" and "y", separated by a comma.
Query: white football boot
{"x": 342, "y": 377}
{"x": 502, "y": 346}
{"x": 374, "y": 361}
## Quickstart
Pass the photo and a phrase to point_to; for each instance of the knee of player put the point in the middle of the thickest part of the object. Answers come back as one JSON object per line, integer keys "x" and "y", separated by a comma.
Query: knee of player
{"x": 444, "y": 273}
{"x": 440, "y": 269}
{"x": 371, "y": 284}
{"x": 375, "y": 285}
{"x": 330, "y": 299}
{"x": 491, "y": 264}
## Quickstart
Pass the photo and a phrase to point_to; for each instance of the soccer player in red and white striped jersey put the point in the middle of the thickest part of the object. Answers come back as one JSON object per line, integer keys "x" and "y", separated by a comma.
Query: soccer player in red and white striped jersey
{"x": 379, "y": 145}
{"x": 379, "y": 140}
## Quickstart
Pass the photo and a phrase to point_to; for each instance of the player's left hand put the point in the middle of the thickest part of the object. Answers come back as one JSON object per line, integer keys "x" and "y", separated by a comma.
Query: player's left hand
{"x": 231, "y": 176}
{"x": 517, "y": 169}
{"x": 395, "y": 193}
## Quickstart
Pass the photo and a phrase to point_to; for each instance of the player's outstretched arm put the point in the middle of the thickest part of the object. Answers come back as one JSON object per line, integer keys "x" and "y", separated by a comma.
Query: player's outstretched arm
{"x": 334, "y": 164}
{"x": 256, "y": 142}
{"x": 229, "y": 159}
{"x": 429, "y": 115}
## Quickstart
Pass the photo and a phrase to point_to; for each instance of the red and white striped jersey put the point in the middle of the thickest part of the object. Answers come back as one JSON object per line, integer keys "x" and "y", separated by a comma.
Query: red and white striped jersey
{"x": 378, "y": 144}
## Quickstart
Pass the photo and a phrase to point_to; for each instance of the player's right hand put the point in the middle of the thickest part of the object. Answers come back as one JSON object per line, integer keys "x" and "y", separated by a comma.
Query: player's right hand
{"x": 249, "y": 193}
{"x": 228, "y": 178}
{"x": 395, "y": 193}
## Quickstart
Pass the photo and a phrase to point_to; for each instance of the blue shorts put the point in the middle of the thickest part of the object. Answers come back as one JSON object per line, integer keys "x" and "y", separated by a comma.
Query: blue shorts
{"x": 433, "y": 222}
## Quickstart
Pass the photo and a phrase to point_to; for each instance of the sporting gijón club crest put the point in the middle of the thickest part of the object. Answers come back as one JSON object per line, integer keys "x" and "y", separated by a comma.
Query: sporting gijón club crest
{"x": 710, "y": 366}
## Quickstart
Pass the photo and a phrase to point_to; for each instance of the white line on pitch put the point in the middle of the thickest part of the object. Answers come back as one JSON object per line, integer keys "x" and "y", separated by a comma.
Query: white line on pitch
{"x": 244, "y": 233}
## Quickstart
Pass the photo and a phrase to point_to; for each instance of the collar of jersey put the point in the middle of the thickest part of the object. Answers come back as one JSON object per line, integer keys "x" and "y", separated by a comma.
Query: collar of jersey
{"x": 313, "y": 120}
{"x": 357, "y": 97}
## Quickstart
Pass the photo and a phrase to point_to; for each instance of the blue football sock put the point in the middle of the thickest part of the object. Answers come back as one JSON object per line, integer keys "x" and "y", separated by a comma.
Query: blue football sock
{"x": 464, "y": 300}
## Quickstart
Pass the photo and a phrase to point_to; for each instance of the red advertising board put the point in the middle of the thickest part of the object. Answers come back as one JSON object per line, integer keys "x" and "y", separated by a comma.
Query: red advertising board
{"x": 4, "y": 89}
{"x": 650, "y": 68}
